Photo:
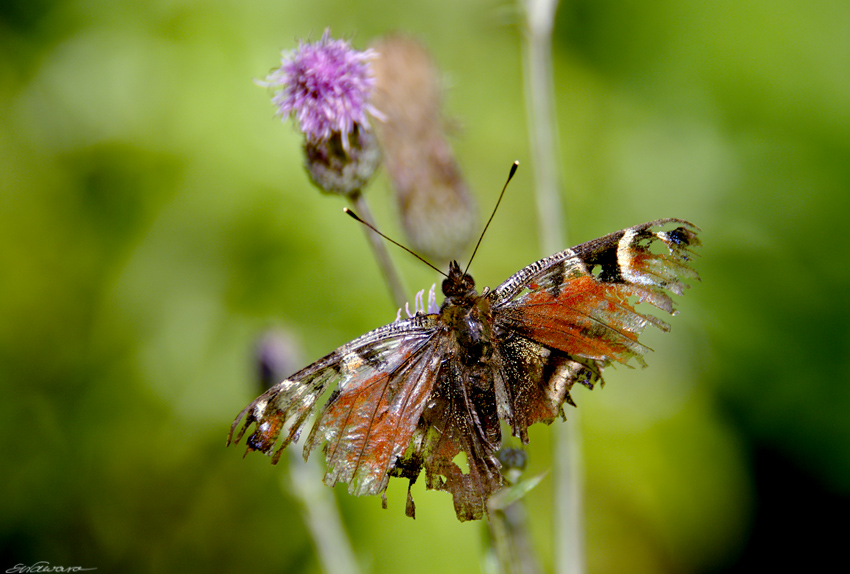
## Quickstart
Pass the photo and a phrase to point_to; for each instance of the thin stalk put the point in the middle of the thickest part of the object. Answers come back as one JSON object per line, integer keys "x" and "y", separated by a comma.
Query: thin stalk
{"x": 321, "y": 515}
{"x": 509, "y": 538}
{"x": 279, "y": 354}
{"x": 569, "y": 496}
{"x": 379, "y": 249}
{"x": 540, "y": 107}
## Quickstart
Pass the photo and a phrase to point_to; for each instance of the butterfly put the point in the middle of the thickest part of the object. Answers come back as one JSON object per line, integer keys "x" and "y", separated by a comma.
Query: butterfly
{"x": 410, "y": 396}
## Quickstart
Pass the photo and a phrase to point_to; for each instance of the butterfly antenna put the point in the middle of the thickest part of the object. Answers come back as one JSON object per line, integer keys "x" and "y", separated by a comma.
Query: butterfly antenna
{"x": 355, "y": 217}
{"x": 498, "y": 201}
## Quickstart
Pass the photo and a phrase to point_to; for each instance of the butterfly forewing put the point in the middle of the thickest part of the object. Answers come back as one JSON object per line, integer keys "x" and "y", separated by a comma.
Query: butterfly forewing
{"x": 368, "y": 425}
{"x": 581, "y": 300}
{"x": 361, "y": 368}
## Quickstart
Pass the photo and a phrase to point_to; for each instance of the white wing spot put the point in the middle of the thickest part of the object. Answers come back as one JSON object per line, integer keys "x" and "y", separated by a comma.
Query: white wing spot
{"x": 260, "y": 408}
{"x": 625, "y": 259}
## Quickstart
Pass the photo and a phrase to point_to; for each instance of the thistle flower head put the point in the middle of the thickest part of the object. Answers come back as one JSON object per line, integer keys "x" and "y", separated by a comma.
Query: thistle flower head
{"x": 325, "y": 86}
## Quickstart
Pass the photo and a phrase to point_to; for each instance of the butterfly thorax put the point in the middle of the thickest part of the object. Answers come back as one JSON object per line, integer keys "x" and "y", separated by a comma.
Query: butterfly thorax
{"x": 468, "y": 316}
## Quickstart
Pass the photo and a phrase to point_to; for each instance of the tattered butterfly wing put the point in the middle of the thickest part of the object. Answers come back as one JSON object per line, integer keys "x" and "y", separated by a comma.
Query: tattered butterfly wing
{"x": 532, "y": 381}
{"x": 461, "y": 416}
{"x": 564, "y": 317}
{"x": 382, "y": 379}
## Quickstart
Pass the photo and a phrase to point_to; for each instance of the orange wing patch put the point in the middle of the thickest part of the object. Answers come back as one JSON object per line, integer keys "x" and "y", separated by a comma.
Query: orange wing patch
{"x": 369, "y": 424}
{"x": 587, "y": 319}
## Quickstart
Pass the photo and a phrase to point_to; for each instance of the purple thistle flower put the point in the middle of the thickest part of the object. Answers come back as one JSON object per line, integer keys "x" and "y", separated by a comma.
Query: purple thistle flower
{"x": 325, "y": 86}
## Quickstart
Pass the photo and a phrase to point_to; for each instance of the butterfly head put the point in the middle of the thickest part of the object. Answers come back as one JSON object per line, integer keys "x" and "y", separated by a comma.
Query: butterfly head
{"x": 458, "y": 284}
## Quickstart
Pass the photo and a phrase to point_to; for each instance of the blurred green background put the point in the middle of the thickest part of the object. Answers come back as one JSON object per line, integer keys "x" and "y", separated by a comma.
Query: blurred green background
{"x": 155, "y": 219}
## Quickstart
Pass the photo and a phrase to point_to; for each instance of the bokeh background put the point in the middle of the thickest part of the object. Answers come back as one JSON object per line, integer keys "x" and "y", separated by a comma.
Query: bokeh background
{"x": 155, "y": 219}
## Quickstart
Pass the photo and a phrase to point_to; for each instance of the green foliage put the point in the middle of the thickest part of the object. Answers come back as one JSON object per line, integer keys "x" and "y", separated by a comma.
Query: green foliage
{"x": 155, "y": 218}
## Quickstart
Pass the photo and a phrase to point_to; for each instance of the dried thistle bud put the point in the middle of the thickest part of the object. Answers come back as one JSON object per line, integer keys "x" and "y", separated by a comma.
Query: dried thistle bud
{"x": 437, "y": 211}
{"x": 325, "y": 86}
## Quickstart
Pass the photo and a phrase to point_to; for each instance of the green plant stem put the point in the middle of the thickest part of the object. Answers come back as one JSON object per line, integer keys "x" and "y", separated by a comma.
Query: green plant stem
{"x": 321, "y": 515}
{"x": 379, "y": 249}
{"x": 569, "y": 496}
{"x": 542, "y": 121}
{"x": 509, "y": 538}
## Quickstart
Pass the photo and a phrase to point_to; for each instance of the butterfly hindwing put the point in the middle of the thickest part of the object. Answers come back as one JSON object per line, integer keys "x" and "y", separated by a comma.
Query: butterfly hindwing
{"x": 533, "y": 381}
{"x": 462, "y": 416}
